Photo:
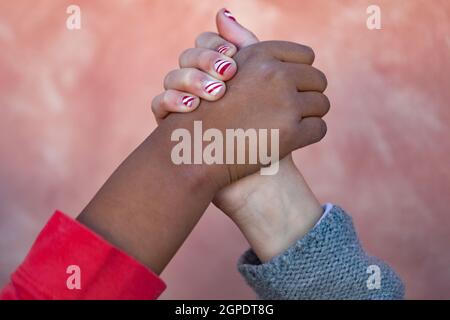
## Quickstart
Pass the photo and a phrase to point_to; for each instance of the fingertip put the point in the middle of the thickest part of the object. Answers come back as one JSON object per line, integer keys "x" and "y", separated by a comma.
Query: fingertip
{"x": 157, "y": 106}
{"x": 225, "y": 23}
{"x": 228, "y": 49}
{"x": 214, "y": 90}
{"x": 225, "y": 68}
{"x": 224, "y": 13}
{"x": 231, "y": 30}
{"x": 194, "y": 105}
{"x": 189, "y": 103}
{"x": 230, "y": 72}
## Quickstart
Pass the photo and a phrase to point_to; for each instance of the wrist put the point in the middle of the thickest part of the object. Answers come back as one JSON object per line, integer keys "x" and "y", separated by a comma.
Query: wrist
{"x": 186, "y": 151}
{"x": 273, "y": 226}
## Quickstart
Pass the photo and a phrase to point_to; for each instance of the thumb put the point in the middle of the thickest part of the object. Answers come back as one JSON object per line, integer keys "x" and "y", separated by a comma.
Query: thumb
{"x": 232, "y": 31}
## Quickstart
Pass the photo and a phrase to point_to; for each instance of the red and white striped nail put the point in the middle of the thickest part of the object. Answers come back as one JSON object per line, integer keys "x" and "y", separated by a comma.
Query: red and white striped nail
{"x": 213, "y": 87}
{"x": 188, "y": 101}
{"x": 222, "y": 49}
{"x": 229, "y": 15}
{"x": 221, "y": 66}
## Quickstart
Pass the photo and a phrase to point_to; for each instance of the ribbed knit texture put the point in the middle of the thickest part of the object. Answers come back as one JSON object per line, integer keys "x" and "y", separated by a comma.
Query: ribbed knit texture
{"x": 327, "y": 263}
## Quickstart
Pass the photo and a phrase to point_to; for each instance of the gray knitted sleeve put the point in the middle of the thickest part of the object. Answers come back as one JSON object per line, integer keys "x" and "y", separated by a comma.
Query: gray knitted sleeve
{"x": 327, "y": 263}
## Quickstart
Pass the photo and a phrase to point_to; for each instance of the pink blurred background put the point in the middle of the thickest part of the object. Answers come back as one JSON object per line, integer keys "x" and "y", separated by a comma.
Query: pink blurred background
{"x": 75, "y": 103}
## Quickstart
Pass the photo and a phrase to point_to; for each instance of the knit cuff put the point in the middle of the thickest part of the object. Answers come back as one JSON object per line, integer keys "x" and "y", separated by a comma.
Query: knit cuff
{"x": 327, "y": 263}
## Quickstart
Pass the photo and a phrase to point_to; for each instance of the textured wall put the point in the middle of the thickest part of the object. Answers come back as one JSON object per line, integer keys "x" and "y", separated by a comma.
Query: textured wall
{"x": 74, "y": 103}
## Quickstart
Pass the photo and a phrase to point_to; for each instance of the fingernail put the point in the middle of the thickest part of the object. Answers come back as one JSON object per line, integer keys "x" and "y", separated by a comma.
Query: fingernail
{"x": 188, "y": 100}
{"x": 222, "y": 49}
{"x": 213, "y": 87}
{"x": 221, "y": 66}
{"x": 229, "y": 15}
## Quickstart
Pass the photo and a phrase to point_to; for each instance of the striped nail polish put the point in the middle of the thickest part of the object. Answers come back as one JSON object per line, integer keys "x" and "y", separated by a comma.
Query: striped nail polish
{"x": 222, "y": 49}
{"x": 213, "y": 87}
{"x": 221, "y": 66}
{"x": 188, "y": 100}
{"x": 229, "y": 15}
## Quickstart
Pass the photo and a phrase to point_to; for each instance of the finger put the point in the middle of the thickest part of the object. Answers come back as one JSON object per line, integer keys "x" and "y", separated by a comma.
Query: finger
{"x": 313, "y": 104}
{"x": 173, "y": 101}
{"x": 306, "y": 77}
{"x": 215, "y": 64}
{"x": 310, "y": 130}
{"x": 195, "y": 82}
{"x": 233, "y": 31}
{"x": 213, "y": 41}
{"x": 289, "y": 51}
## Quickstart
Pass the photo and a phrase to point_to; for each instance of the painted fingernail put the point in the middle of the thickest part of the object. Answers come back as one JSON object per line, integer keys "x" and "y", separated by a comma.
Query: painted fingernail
{"x": 229, "y": 15}
{"x": 222, "y": 49}
{"x": 221, "y": 66}
{"x": 213, "y": 87}
{"x": 188, "y": 101}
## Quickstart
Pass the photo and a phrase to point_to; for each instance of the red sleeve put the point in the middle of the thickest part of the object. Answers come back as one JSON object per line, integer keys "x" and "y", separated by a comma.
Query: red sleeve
{"x": 69, "y": 261}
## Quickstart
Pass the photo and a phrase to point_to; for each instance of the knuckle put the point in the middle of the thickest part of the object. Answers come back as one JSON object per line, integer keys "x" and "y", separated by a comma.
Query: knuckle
{"x": 184, "y": 55}
{"x": 322, "y": 129}
{"x": 206, "y": 57}
{"x": 202, "y": 38}
{"x": 169, "y": 78}
{"x": 165, "y": 100}
{"x": 267, "y": 45}
{"x": 326, "y": 103}
{"x": 252, "y": 51}
{"x": 270, "y": 72}
{"x": 309, "y": 53}
{"x": 155, "y": 103}
{"x": 322, "y": 79}
{"x": 306, "y": 52}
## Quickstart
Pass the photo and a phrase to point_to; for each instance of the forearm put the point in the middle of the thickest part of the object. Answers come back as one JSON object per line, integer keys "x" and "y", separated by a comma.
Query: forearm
{"x": 149, "y": 205}
{"x": 279, "y": 212}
